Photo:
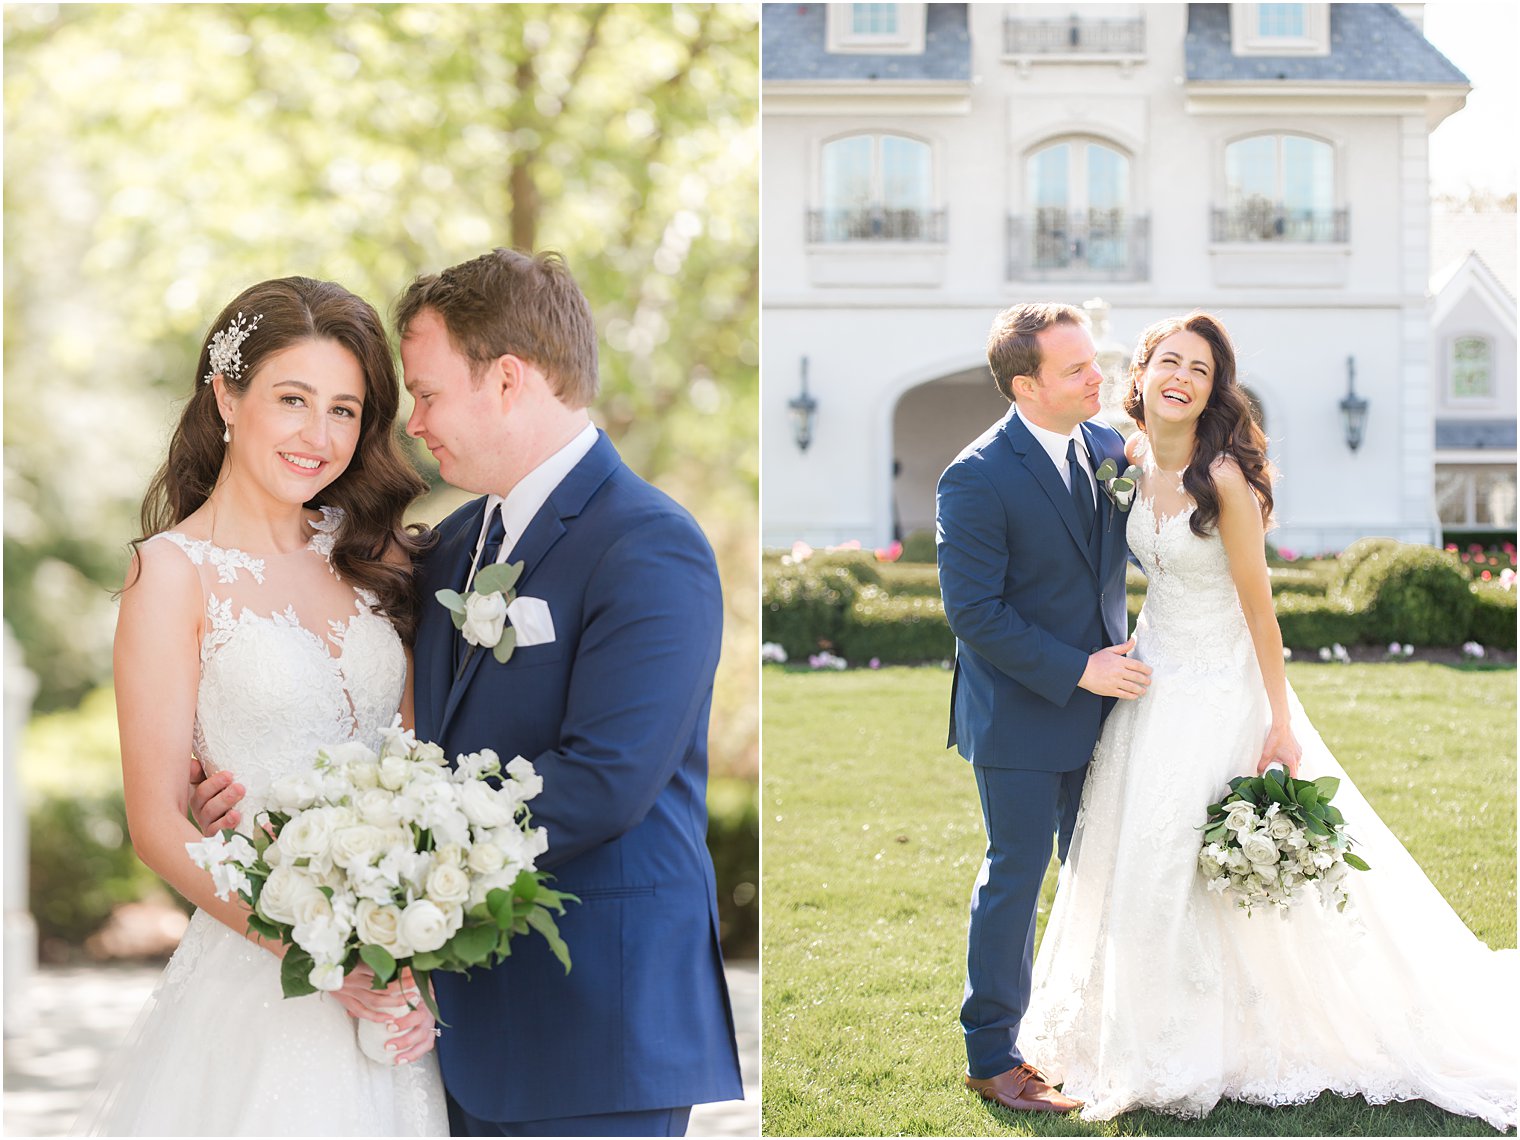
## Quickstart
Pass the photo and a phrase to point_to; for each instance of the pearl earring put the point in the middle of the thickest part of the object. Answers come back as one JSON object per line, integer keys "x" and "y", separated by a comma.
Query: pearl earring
{"x": 227, "y": 434}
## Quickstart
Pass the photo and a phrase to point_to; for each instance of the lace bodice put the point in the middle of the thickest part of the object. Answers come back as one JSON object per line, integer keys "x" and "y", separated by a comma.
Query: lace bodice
{"x": 292, "y": 659}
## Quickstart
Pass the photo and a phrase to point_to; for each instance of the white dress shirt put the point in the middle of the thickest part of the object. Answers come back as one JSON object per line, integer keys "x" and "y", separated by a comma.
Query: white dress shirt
{"x": 1054, "y": 444}
{"x": 523, "y": 501}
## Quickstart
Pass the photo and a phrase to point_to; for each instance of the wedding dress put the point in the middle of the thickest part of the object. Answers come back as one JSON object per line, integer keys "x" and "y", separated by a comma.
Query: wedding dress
{"x": 1150, "y": 991}
{"x": 217, "y": 1050}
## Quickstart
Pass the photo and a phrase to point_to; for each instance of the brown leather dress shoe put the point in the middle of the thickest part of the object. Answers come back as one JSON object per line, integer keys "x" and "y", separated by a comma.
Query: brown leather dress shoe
{"x": 1023, "y": 1088}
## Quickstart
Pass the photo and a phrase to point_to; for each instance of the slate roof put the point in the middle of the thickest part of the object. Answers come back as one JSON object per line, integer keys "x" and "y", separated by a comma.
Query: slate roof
{"x": 794, "y": 43}
{"x": 1369, "y": 43}
{"x": 1498, "y": 434}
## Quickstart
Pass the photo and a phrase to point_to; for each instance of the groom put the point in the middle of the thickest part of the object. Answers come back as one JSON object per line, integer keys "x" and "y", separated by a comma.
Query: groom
{"x": 1031, "y": 566}
{"x": 607, "y": 692}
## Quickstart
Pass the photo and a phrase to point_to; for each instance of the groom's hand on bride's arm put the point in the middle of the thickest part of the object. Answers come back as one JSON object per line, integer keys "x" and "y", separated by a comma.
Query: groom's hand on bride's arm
{"x": 213, "y": 799}
{"x": 1112, "y": 673}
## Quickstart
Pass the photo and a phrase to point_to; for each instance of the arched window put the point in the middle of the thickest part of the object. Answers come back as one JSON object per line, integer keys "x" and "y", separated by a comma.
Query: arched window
{"x": 877, "y": 187}
{"x": 1469, "y": 369}
{"x": 1280, "y": 188}
{"x": 1079, "y": 218}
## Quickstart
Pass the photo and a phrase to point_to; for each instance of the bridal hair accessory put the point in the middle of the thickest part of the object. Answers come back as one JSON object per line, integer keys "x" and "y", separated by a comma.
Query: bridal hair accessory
{"x": 226, "y": 354}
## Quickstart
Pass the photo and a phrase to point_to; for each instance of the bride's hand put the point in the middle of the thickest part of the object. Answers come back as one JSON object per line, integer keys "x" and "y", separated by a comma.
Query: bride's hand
{"x": 416, "y": 1034}
{"x": 1280, "y": 748}
{"x": 413, "y": 1035}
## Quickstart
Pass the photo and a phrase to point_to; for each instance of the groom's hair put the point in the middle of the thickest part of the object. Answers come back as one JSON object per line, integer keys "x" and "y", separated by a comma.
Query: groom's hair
{"x": 1012, "y": 349}
{"x": 507, "y": 302}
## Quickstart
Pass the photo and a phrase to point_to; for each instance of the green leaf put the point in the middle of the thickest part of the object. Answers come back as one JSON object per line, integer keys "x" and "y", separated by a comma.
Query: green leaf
{"x": 543, "y": 922}
{"x": 502, "y": 650}
{"x": 263, "y": 927}
{"x": 1308, "y": 794}
{"x": 498, "y": 578}
{"x": 526, "y": 885}
{"x": 1122, "y": 486}
{"x": 1217, "y": 833}
{"x": 1132, "y": 472}
{"x": 380, "y": 960}
{"x": 473, "y": 944}
{"x": 1274, "y": 787}
{"x": 458, "y": 619}
{"x": 424, "y": 983}
{"x": 1314, "y": 824}
{"x": 295, "y": 973}
{"x": 1356, "y": 861}
{"x": 499, "y": 907}
{"x": 1327, "y": 786}
{"x": 451, "y": 599}
{"x": 1107, "y": 469}
{"x": 426, "y": 960}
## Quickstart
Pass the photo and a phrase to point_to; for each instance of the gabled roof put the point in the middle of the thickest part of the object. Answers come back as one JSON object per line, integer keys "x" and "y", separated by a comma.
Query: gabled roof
{"x": 1490, "y": 234}
{"x": 794, "y": 46}
{"x": 1369, "y": 43}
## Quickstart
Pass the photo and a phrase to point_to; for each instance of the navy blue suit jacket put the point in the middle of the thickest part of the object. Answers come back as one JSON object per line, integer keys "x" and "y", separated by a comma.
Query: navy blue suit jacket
{"x": 613, "y": 713}
{"x": 1026, "y": 599}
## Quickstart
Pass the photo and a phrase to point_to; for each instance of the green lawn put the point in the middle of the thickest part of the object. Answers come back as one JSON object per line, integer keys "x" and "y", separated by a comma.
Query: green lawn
{"x": 873, "y": 837}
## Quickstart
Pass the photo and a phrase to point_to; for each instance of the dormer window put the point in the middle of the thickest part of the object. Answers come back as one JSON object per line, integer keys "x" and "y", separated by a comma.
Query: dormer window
{"x": 876, "y": 29}
{"x": 1280, "y": 29}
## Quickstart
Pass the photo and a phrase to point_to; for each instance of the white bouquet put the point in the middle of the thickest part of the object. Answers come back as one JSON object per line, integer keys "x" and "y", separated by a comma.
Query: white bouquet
{"x": 392, "y": 859}
{"x": 1271, "y": 836}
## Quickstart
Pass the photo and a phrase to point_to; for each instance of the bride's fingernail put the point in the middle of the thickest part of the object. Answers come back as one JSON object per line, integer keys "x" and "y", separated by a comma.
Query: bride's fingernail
{"x": 392, "y": 1026}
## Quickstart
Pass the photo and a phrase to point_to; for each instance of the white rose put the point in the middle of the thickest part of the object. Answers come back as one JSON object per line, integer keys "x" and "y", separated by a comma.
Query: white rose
{"x": 377, "y": 807}
{"x": 394, "y": 771}
{"x": 357, "y": 846}
{"x": 1240, "y": 816}
{"x": 486, "y": 858}
{"x": 484, "y": 617}
{"x": 278, "y": 897}
{"x": 484, "y": 806}
{"x": 453, "y": 853}
{"x": 1267, "y": 872}
{"x": 294, "y": 792}
{"x": 326, "y": 976}
{"x": 453, "y": 917}
{"x": 380, "y": 926}
{"x": 525, "y": 776}
{"x": 1257, "y": 846}
{"x": 365, "y": 775}
{"x": 350, "y": 752}
{"x": 424, "y": 926}
{"x": 311, "y": 906}
{"x": 308, "y": 835}
{"x": 447, "y": 884}
{"x": 1282, "y": 826}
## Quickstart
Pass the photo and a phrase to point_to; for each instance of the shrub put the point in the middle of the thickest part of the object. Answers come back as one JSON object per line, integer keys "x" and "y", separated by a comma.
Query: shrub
{"x": 1294, "y": 580}
{"x": 919, "y": 547}
{"x": 915, "y": 579}
{"x": 1309, "y": 621}
{"x": 1411, "y": 593}
{"x": 903, "y": 630}
{"x": 1350, "y": 560}
{"x": 1493, "y": 618}
{"x": 859, "y": 564}
{"x": 733, "y": 840}
{"x": 803, "y": 607}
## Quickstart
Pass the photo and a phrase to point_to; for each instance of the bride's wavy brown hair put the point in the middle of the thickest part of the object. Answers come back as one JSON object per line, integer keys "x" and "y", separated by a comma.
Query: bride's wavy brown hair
{"x": 379, "y": 482}
{"x": 1226, "y": 426}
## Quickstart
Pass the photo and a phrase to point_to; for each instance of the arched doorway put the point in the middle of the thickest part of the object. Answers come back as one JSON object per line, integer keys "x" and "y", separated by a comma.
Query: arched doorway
{"x": 931, "y": 423}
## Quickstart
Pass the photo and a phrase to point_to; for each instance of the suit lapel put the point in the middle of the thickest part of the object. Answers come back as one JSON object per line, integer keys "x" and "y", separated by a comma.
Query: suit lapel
{"x": 436, "y": 634}
{"x": 1037, "y": 461}
{"x": 546, "y": 528}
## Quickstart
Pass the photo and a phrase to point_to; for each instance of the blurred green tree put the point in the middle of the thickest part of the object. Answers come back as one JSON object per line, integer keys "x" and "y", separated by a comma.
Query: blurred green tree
{"x": 161, "y": 158}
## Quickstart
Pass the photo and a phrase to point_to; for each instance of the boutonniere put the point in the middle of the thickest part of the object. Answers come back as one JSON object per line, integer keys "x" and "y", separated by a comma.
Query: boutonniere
{"x": 1120, "y": 489}
{"x": 481, "y": 614}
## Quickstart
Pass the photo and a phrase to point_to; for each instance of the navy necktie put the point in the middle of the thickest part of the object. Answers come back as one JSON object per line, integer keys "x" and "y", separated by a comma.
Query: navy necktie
{"x": 1081, "y": 490}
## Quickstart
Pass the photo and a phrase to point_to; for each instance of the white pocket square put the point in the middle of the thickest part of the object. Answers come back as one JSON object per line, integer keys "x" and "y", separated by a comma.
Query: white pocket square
{"x": 530, "y": 618}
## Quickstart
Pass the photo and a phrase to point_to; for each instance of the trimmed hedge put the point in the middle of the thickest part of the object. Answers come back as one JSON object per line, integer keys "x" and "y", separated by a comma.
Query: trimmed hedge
{"x": 859, "y": 564}
{"x": 915, "y": 579}
{"x": 733, "y": 841}
{"x": 1350, "y": 560}
{"x": 919, "y": 547}
{"x": 802, "y": 608}
{"x": 904, "y": 629}
{"x": 1493, "y": 618}
{"x": 1310, "y": 621}
{"x": 1410, "y": 593}
{"x": 1288, "y": 580}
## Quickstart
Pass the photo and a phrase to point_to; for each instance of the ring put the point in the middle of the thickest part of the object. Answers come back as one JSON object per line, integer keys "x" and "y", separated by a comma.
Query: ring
{"x": 437, "y": 1032}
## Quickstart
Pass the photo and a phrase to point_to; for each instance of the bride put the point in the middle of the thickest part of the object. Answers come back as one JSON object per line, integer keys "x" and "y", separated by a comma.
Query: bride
{"x": 1149, "y": 990}
{"x": 263, "y": 618}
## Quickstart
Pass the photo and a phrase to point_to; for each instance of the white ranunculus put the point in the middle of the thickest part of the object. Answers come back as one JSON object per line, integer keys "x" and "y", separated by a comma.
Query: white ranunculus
{"x": 277, "y": 899}
{"x": 424, "y": 926}
{"x": 294, "y": 792}
{"x": 484, "y": 617}
{"x": 484, "y": 806}
{"x": 381, "y": 926}
{"x": 447, "y": 884}
{"x": 326, "y": 976}
{"x": 357, "y": 846}
{"x": 377, "y": 807}
{"x": 394, "y": 771}
{"x": 454, "y": 853}
{"x": 311, "y": 906}
{"x": 486, "y": 858}
{"x": 1257, "y": 846}
{"x": 364, "y": 775}
{"x": 525, "y": 776}
{"x": 308, "y": 835}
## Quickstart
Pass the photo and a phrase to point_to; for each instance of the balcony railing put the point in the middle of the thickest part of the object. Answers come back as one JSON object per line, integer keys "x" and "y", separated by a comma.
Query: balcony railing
{"x": 876, "y": 224}
{"x": 1074, "y": 36}
{"x": 1267, "y": 221}
{"x": 1103, "y": 245}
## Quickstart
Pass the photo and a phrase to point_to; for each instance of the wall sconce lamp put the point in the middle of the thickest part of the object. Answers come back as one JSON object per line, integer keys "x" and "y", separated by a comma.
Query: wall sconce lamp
{"x": 802, "y": 409}
{"x": 1353, "y": 409}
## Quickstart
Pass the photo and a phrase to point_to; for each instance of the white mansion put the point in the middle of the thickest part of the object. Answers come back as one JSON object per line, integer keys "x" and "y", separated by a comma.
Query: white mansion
{"x": 929, "y": 164}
